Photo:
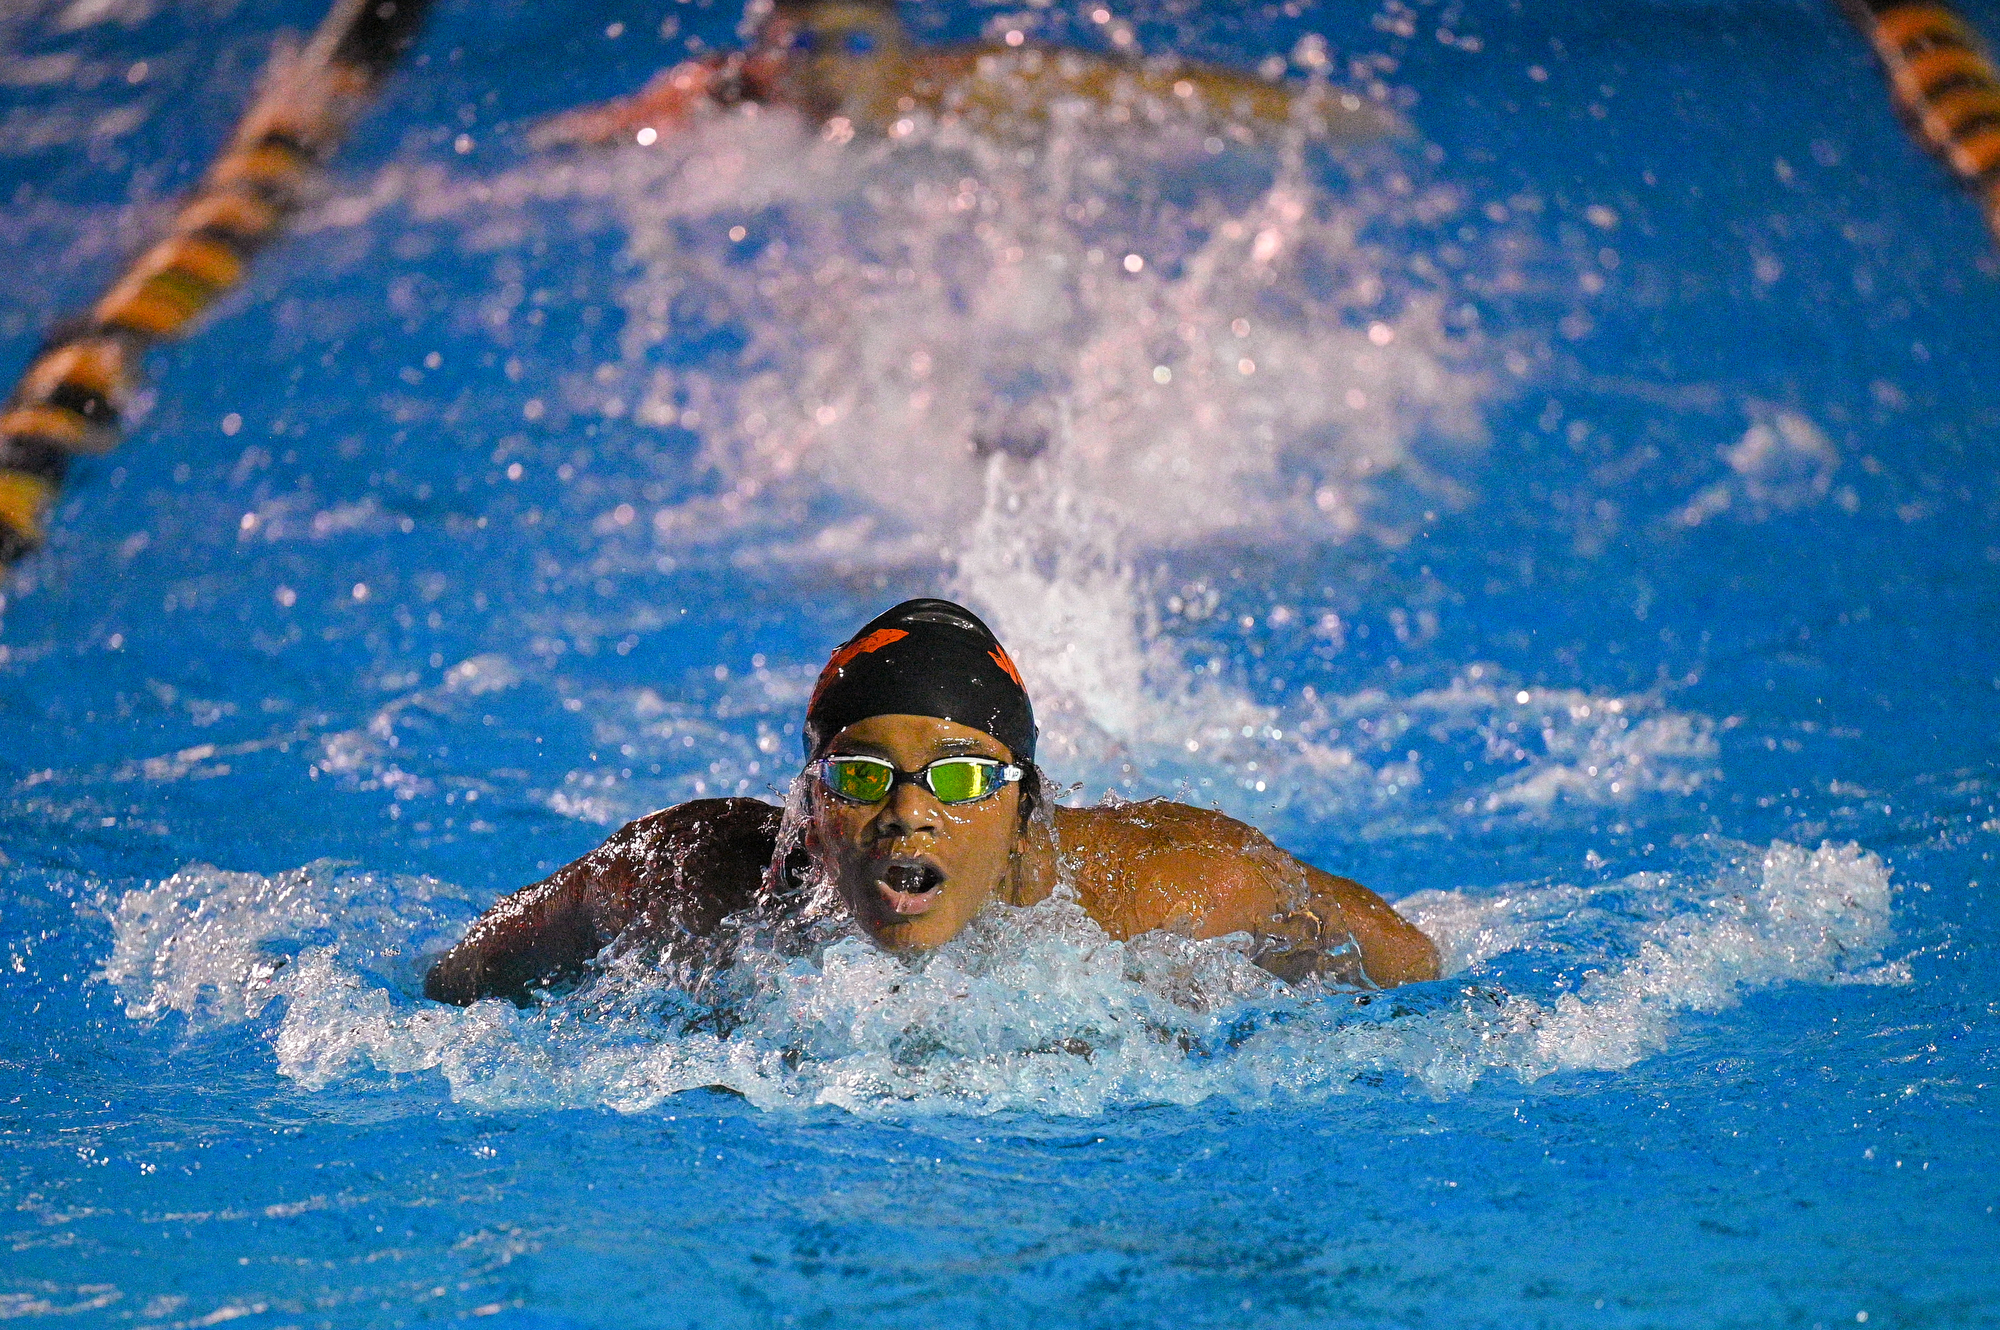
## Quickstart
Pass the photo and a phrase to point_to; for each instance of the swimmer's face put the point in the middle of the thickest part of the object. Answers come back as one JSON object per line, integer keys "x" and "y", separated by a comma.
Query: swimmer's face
{"x": 844, "y": 30}
{"x": 843, "y": 56}
{"x": 914, "y": 870}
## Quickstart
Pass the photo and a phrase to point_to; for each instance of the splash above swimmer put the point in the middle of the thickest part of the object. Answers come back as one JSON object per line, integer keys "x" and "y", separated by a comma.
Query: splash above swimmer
{"x": 920, "y": 806}
{"x": 850, "y": 65}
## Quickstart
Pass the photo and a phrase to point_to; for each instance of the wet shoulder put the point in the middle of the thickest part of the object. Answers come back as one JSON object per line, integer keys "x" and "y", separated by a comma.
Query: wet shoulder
{"x": 685, "y": 866}
{"x": 1156, "y": 825}
{"x": 1160, "y": 864}
{"x": 707, "y": 824}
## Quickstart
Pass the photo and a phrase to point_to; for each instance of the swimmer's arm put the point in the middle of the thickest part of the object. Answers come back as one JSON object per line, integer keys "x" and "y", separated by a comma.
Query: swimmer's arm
{"x": 663, "y": 105}
{"x": 1203, "y": 874}
{"x": 550, "y": 930}
{"x": 674, "y": 873}
{"x": 541, "y": 933}
{"x": 1340, "y": 930}
{"x": 1315, "y": 938}
{"x": 669, "y": 101}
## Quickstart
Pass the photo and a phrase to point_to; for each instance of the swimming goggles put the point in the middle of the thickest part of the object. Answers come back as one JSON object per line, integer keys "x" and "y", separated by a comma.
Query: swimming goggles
{"x": 954, "y": 780}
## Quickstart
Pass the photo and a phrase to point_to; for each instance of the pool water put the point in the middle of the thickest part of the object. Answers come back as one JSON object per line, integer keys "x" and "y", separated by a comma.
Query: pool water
{"x": 1577, "y": 520}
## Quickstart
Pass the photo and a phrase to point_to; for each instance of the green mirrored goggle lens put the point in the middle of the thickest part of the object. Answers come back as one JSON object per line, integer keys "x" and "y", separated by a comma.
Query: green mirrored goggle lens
{"x": 863, "y": 782}
{"x": 962, "y": 782}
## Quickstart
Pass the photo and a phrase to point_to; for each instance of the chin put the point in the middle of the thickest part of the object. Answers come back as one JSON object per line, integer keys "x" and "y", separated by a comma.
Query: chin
{"x": 905, "y": 939}
{"x": 913, "y": 937}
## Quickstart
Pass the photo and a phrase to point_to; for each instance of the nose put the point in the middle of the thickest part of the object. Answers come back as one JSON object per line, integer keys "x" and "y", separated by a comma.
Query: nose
{"x": 910, "y": 808}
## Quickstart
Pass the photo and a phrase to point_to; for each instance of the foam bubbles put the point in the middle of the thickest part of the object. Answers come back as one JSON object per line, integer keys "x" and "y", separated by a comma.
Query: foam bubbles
{"x": 1793, "y": 916}
{"x": 1783, "y": 463}
{"x": 1030, "y": 1010}
{"x": 217, "y": 947}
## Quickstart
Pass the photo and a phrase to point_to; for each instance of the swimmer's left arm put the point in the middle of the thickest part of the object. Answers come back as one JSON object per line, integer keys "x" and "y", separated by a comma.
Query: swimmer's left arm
{"x": 1203, "y": 874}
{"x": 1339, "y": 918}
{"x": 1307, "y": 921}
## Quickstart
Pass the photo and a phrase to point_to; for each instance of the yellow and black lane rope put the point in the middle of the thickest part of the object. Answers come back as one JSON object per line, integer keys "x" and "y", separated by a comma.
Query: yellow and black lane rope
{"x": 1945, "y": 86}
{"x": 76, "y": 389}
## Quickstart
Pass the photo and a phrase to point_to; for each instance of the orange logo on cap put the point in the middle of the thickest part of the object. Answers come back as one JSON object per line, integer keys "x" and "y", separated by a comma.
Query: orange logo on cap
{"x": 999, "y": 655}
{"x": 875, "y": 641}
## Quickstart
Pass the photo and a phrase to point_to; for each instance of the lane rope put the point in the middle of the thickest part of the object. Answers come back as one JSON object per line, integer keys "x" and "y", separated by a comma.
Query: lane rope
{"x": 79, "y": 387}
{"x": 1945, "y": 88}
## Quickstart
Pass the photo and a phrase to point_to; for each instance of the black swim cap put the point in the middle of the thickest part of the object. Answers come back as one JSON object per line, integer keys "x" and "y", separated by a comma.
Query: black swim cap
{"x": 924, "y": 658}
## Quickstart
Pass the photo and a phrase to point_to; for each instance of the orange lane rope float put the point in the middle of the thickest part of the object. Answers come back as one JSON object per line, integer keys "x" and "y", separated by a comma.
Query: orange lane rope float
{"x": 1945, "y": 87}
{"x": 78, "y": 387}
{"x": 852, "y": 62}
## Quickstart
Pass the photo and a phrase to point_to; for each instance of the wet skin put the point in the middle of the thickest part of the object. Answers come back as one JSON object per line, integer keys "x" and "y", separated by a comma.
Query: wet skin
{"x": 914, "y": 871}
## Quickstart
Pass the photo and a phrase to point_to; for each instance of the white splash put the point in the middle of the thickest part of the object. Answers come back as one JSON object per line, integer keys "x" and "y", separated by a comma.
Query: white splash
{"x": 1031, "y": 1010}
{"x": 1819, "y": 916}
{"x": 1223, "y": 360}
{"x": 214, "y": 946}
{"x": 1206, "y": 345}
{"x": 1783, "y": 463}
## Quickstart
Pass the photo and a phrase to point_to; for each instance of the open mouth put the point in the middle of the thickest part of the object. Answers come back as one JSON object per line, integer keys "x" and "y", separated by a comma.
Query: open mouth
{"x": 910, "y": 888}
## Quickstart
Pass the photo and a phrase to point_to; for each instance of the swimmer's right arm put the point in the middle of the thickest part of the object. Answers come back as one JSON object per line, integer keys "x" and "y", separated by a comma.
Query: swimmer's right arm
{"x": 540, "y": 934}
{"x": 669, "y": 101}
{"x": 662, "y": 105}
{"x": 675, "y": 872}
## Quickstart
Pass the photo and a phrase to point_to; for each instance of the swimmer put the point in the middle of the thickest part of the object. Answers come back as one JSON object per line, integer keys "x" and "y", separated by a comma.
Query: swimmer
{"x": 850, "y": 65}
{"x": 920, "y": 805}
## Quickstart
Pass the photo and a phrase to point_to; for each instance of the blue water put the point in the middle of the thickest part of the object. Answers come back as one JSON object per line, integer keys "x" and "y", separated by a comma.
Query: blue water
{"x": 1601, "y": 558}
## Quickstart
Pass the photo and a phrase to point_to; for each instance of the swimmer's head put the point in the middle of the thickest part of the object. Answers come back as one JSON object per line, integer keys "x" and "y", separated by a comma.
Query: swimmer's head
{"x": 842, "y": 57}
{"x": 845, "y": 28}
{"x": 924, "y": 658}
{"x": 921, "y": 743}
